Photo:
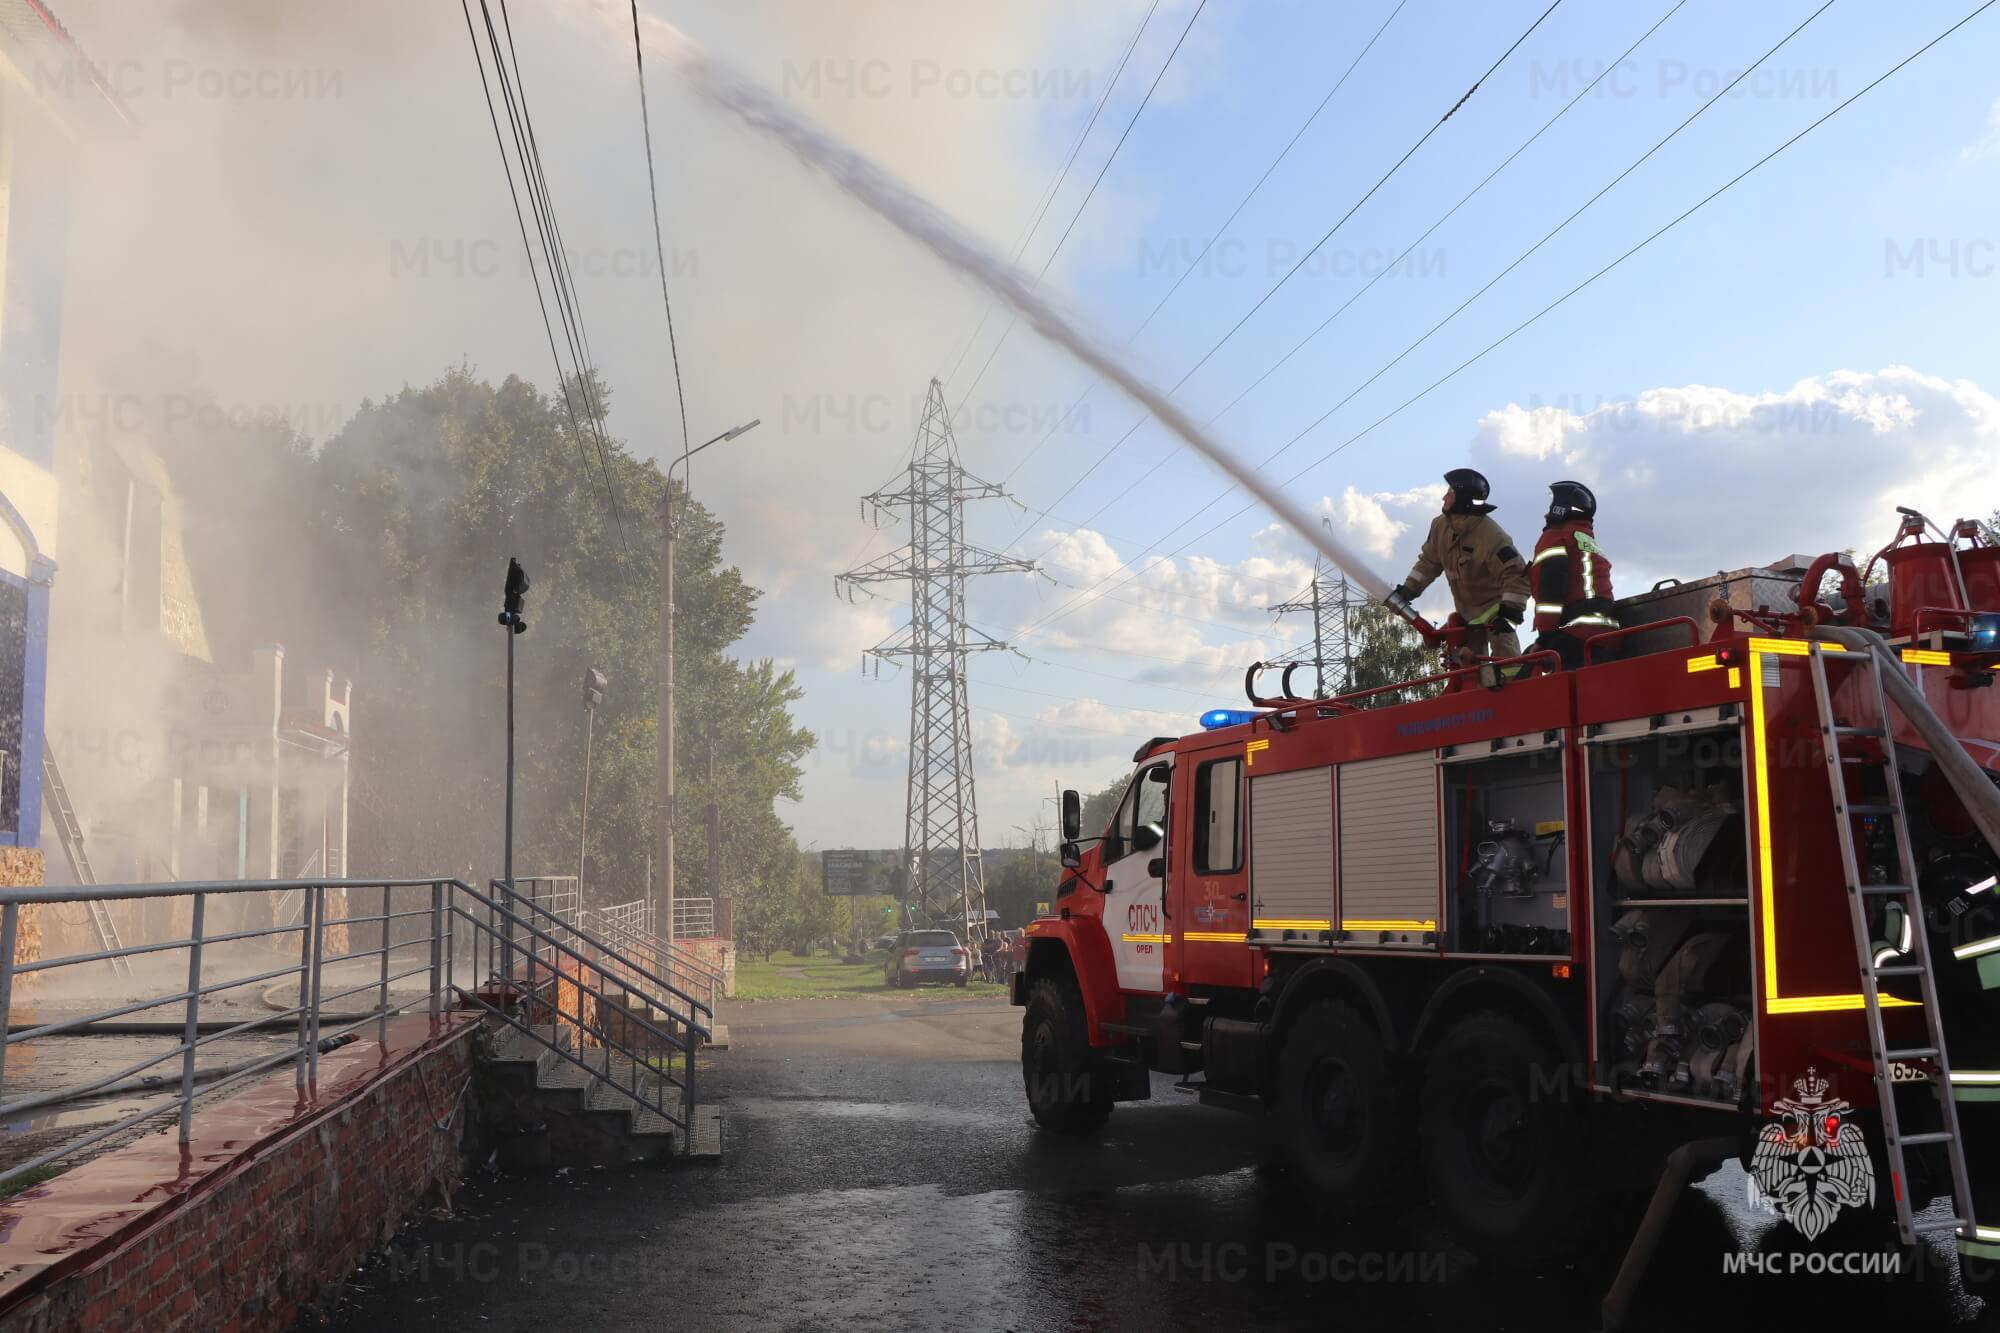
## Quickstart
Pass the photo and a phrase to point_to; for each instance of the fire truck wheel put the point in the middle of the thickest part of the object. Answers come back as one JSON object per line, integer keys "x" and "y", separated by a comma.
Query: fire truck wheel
{"x": 1343, "y": 1116}
{"x": 1502, "y": 1155}
{"x": 1065, "y": 1092}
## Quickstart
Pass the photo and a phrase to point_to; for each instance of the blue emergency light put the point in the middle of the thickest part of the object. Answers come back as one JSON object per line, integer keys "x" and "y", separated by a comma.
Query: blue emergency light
{"x": 1216, "y": 718}
{"x": 1986, "y": 632}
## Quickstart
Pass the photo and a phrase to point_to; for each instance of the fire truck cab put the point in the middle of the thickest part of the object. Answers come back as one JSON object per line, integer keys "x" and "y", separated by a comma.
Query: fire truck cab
{"x": 1511, "y": 933}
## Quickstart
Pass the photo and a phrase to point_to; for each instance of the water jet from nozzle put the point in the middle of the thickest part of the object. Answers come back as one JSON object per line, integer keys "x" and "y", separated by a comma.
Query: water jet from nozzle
{"x": 920, "y": 220}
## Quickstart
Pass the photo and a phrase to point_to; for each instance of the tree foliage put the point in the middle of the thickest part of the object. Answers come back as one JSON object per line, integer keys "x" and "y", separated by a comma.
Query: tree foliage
{"x": 1389, "y": 651}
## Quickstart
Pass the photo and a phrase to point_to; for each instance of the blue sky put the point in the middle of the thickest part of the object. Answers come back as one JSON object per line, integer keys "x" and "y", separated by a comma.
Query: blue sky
{"x": 1700, "y": 386}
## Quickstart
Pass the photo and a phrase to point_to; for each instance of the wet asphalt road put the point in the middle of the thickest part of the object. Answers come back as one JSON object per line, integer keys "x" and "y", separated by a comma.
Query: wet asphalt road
{"x": 881, "y": 1171}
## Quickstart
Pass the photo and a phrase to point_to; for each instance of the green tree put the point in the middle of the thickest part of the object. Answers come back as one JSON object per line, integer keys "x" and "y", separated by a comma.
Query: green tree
{"x": 1022, "y": 881}
{"x": 1390, "y": 651}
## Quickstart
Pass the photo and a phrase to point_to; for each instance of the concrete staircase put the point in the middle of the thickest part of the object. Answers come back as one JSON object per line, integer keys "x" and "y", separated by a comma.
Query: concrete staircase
{"x": 540, "y": 1108}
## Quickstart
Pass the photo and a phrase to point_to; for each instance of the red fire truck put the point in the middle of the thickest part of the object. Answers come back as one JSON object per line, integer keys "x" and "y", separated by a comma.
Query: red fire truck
{"x": 1511, "y": 933}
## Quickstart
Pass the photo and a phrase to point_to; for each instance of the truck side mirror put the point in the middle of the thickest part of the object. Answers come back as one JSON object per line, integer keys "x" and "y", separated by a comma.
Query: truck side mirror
{"x": 1147, "y": 836}
{"x": 1072, "y": 815}
{"x": 1072, "y": 855}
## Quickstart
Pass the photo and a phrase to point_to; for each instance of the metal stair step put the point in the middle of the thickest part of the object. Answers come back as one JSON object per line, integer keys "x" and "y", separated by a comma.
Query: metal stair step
{"x": 1928, "y": 1137}
{"x": 1912, "y": 1053}
{"x": 1870, "y": 808}
{"x": 1859, "y": 731}
{"x": 1885, "y": 889}
{"x": 1898, "y": 970}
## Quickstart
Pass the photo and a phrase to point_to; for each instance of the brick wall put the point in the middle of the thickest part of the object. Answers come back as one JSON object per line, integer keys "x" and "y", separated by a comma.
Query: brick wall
{"x": 22, "y": 868}
{"x": 278, "y": 1232}
{"x": 717, "y": 953}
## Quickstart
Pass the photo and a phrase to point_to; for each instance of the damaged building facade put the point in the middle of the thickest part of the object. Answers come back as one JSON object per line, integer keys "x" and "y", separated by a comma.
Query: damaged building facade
{"x": 134, "y": 746}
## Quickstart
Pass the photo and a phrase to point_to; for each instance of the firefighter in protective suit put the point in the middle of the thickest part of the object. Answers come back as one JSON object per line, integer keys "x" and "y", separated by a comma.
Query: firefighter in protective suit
{"x": 1487, "y": 576}
{"x": 1572, "y": 577}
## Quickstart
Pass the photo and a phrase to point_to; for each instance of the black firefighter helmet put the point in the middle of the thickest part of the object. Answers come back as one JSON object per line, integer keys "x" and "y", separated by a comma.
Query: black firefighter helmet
{"x": 1469, "y": 490}
{"x": 1571, "y": 502}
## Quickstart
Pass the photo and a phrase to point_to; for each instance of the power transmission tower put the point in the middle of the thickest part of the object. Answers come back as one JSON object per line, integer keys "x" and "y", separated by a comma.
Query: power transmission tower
{"x": 1331, "y": 601}
{"x": 947, "y": 883}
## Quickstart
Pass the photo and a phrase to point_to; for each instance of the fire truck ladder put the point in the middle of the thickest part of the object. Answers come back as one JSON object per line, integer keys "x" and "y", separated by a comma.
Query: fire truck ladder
{"x": 71, "y": 834}
{"x": 1915, "y": 961}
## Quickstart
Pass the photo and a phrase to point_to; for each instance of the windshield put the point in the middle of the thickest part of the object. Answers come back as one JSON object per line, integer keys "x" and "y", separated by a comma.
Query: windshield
{"x": 930, "y": 939}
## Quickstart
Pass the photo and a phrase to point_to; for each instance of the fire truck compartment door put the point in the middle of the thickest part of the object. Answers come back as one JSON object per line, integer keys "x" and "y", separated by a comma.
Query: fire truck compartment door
{"x": 1134, "y": 906}
{"x": 1291, "y": 853}
{"x": 1389, "y": 851}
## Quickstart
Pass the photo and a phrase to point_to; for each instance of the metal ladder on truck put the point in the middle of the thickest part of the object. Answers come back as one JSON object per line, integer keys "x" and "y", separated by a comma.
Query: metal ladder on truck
{"x": 71, "y": 834}
{"x": 1915, "y": 960}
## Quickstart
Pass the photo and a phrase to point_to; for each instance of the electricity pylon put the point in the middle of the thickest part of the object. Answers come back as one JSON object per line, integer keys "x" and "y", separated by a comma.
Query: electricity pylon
{"x": 947, "y": 882}
{"x": 1332, "y": 602}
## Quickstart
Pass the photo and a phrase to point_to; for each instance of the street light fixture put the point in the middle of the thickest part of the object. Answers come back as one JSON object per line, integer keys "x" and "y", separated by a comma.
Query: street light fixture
{"x": 663, "y": 835}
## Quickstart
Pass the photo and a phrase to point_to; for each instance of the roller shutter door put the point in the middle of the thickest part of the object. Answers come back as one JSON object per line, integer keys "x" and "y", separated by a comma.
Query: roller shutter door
{"x": 1291, "y": 848}
{"x": 1389, "y": 848}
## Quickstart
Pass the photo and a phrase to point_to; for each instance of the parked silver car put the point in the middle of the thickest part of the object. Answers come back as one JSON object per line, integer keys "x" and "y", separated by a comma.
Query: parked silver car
{"x": 928, "y": 955}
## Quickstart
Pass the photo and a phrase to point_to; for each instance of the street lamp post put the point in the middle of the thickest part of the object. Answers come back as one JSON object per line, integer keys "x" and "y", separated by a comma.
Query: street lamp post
{"x": 594, "y": 682}
{"x": 663, "y": 836}
{"x": 513, "y": 602}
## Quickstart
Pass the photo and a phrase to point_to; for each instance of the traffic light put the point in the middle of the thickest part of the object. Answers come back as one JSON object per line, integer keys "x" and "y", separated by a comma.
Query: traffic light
{"x": 515, "y": 597}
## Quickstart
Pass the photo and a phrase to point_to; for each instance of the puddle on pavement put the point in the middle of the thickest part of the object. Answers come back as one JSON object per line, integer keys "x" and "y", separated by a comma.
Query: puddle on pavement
{"x": 782, "y": 1108}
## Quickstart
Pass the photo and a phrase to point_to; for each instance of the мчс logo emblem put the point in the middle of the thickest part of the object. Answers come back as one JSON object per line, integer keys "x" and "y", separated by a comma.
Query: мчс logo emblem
{"x": 1812, "y": 1161}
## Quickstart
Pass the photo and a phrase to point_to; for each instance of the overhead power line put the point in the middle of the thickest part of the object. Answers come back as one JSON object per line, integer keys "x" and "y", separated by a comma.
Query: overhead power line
{"x": 1545, "y": 310}
{"x": 1055, "y": 183}
{"x": 1137, "y": 111}
{"x": 659, "y": 244}
{"x": 1283, "y": 153}
{"x": 537, "y": 201}
{"x": 1382, "y": 180}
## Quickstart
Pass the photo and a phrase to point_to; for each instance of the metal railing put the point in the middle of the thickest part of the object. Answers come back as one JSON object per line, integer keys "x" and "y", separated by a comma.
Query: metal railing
{"x": 328, "y": 939}
{"x": 602, "y": 1010}
{"x": 640, "y": 916}
{"x": 617, "y": 1012}
{"x": 675, "y": 962}
{"x": 694, "y": 918}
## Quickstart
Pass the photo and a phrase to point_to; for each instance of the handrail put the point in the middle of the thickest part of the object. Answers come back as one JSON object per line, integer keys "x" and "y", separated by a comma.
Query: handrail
{"x": 667, "y": 960}
{"x": 683, "y": 957}
{"x": 200, "y": 945}
{"x": 557, "y": 944}
{"x": 1590, "y": 645}
{"x": 1548, "y": 660}
{"x": 677, "y": 1042}
{"x": 504, "y": 921}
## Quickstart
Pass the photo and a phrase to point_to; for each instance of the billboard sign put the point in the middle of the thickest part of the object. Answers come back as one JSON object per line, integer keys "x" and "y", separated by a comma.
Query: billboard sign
{"x": 847, "y": 873}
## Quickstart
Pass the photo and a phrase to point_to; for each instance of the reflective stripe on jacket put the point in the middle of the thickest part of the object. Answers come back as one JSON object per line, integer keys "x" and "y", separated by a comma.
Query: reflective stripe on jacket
{"x": 1572, "y": 582}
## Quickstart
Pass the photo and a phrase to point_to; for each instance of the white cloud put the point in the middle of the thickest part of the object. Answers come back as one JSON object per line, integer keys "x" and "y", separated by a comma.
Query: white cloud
{"x": 1697, "y": 478}
{"x": 1988, "y": 144}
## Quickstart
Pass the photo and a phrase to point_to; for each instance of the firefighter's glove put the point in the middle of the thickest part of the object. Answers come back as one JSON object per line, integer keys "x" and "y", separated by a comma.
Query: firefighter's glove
{"x": 1399, "y": 601}
{"x": 1513, "y": 613}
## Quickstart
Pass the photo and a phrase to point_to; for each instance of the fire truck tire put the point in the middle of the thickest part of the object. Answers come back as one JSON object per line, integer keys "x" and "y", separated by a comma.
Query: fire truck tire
{"x": 1066, "y": 1093}
{"x": 1343, "y": 1113}
{"x": 1504, "y": 1160}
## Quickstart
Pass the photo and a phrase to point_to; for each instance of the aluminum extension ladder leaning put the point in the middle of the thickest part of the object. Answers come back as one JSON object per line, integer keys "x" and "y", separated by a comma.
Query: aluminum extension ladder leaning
{"x": 1917, "y": 958}
{"x": 71, "y": 834}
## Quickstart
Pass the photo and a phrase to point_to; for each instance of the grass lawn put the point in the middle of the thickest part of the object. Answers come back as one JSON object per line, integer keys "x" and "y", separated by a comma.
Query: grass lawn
{"x": 788, "y": 977}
